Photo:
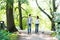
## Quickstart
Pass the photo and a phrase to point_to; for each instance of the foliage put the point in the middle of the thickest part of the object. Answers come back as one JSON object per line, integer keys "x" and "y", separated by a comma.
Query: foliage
{"x": 4, "y": 35}
{"x": 23, "y": 1}
{"x": 28, "y": 9}
{"x": 24, "y": 23}
{"x": 13, "y": 36}
{"x": 56, "y": 17}
{"x": 53, "y": 34}
{"x": 2, "y": 4}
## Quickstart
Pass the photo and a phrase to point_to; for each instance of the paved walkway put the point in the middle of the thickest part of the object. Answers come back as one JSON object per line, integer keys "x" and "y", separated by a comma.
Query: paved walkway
{"x": 33, "y": 36}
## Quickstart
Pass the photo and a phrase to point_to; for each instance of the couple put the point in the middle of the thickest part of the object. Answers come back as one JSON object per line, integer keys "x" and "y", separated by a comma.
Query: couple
{"x": 29, "y": 21}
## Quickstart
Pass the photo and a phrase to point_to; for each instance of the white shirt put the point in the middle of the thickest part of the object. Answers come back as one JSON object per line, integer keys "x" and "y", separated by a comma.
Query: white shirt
{"x": 29, "y": 20}
{"x": 37, "y": 21}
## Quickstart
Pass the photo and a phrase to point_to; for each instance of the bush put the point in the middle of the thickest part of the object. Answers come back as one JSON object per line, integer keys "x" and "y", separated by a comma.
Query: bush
{"x": 53, "y": 34}
{"x": 4, "y": 35}
{"x": 13, "y": 36}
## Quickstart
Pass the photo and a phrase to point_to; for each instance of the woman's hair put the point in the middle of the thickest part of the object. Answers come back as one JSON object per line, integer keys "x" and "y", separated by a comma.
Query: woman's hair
{"x": 37, "y": 17}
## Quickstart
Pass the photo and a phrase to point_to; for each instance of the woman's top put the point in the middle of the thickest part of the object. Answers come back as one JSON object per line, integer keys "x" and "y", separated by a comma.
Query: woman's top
{"x": 37, "y": 21}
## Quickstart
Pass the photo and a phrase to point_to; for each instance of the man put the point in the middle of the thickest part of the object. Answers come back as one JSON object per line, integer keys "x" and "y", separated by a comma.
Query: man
{"x": 29, "y": 21}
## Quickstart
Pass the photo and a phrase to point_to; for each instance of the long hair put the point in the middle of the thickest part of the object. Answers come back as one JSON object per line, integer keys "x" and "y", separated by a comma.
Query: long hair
{"x": 37, "y": 17}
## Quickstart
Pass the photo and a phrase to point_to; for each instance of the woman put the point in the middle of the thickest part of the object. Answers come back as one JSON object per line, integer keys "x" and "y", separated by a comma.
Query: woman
{"x": 36, "y": 24}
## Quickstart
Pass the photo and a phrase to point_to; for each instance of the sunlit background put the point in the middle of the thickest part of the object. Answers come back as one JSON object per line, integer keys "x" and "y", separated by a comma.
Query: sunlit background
{"x": 31, "y": 8}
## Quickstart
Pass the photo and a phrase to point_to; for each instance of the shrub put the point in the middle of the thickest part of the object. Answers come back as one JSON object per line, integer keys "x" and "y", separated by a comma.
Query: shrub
{"x": 4, "y": 35}
{"x": 53, "y": 34}
{"x": 13, "y": 36}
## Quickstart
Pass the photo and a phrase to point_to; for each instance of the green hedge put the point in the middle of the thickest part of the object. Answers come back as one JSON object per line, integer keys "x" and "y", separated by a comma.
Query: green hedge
{"x": 4, "y": 35}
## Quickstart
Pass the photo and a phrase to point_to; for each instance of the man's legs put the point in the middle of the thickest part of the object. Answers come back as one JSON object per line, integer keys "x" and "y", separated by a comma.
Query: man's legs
{"x": 29, "y": 28}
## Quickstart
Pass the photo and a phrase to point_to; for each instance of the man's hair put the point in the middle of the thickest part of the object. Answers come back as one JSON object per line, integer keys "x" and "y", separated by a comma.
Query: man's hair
{"x": 29, "y": 14}
{"x": 37, "y": 17}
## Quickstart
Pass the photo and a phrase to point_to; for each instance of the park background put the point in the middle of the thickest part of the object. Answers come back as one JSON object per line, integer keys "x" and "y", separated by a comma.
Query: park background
{"x": 14, "y": 13}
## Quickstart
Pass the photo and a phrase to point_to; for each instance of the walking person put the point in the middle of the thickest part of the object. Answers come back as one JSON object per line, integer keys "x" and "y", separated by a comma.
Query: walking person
{"x": 36, "y": 24}
{"x": 29, "y": 21}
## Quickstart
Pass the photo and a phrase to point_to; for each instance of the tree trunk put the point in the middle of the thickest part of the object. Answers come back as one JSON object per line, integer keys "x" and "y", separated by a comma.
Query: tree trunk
{"x": 53, "y": 26}
{"x": 51, "y": 18}
{"x": 54, "y": 10}
{"x": 54, "y": 7}
{"x": 20, "y": 14}
{"x": 9, "y": 15}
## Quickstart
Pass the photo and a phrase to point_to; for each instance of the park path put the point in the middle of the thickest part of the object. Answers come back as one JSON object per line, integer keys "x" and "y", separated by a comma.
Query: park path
{"x": 33, "y": 36}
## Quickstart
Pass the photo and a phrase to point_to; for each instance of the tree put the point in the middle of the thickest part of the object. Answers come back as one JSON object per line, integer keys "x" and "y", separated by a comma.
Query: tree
{"x": 9, "y": 16}
{"x": 20, "y": 13}
{"x": 20, "y": 2}
{"x": 52, "y": 10}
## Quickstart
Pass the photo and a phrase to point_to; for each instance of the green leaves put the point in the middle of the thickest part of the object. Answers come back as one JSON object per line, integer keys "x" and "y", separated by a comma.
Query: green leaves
{"x": 53, "y": 34}
{"x": 9, "y": 3}
{"x": 4, "y": 35}
{"x": 23, "y": 1}
{"x": 2, "y": 5}
{"x": 56, "y": 17}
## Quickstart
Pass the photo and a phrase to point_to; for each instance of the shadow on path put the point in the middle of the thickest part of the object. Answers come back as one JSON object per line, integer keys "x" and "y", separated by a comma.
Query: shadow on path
{"x": 33, "y": 36}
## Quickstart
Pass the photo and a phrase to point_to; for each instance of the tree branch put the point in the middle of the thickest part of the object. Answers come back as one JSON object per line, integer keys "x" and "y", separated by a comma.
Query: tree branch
{"x": 24, "y": 17}
{"x": 43, "y": 11}
{"x": 57, "y": 6}
{"x": 51, "y": 11}
{"x": 24, "y": 10}
{"x": 50, "y": 7}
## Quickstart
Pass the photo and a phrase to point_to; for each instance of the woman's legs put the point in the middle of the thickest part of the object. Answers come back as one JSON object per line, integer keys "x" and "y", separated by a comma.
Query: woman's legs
{"x": 36, "y": 28}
